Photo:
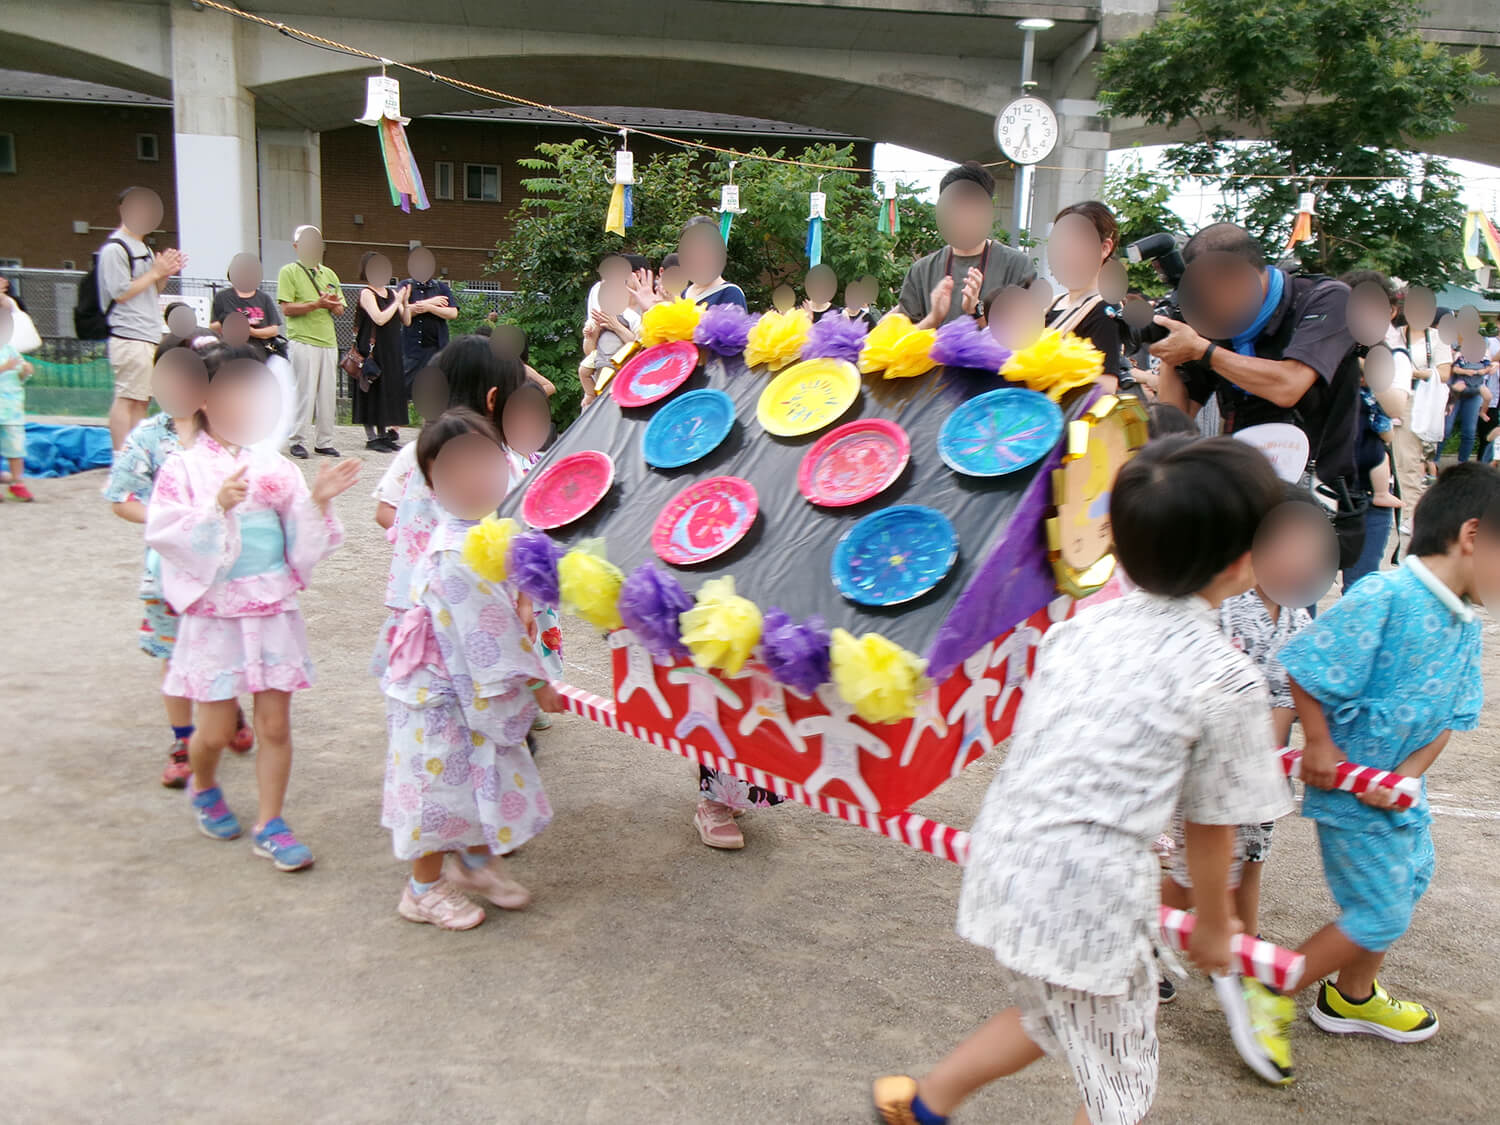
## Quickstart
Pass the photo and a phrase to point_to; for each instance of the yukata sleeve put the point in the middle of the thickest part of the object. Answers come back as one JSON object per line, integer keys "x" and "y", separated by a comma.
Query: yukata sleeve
{"x": 130, "y": 474}
{"x": 1233, "y": 776}
{"x": 195, "y": 539}
{"x": 1470, "y": 698}
{"x": 311, "y": 533}
{"x": 1333, "y": 658}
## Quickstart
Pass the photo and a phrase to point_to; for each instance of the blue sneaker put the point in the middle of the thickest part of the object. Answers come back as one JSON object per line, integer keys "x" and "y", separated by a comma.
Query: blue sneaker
{"x": 276, "y": 842}
{"x": 214, "y": 818}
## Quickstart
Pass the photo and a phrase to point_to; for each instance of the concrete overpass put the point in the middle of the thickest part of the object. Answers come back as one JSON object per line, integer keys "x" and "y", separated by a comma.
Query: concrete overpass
{"x": 930, "y": 74}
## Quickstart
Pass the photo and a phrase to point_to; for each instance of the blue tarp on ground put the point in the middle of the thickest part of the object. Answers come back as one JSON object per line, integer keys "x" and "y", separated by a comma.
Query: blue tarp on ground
{"x": 61, "y": 451}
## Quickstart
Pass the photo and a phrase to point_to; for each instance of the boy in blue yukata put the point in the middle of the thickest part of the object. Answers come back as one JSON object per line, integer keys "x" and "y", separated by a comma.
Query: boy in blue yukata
{"x": 1382, "y": 679}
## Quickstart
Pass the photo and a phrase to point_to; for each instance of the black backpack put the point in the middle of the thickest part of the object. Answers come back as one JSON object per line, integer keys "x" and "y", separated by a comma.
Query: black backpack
{"x": 90, "y": 321}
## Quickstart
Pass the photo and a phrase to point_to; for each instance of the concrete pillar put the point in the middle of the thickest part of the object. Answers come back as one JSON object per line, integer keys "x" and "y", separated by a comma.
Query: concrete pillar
{"x": 291, "y": 192}
{"x": 214, "y": 137}
{"x": 1082, "y": 151}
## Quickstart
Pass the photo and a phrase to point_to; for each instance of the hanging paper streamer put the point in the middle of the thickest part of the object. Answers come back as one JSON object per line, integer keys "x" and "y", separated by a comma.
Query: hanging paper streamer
{"x": 1478, "y": 229}
{"x": 383, "y": 110}
{"x": 890, "y": 218}
{"x": 729, "y": 204}
{"x": 1302, "y": 227}
{"x": 815, "y": 216}
{"x": 621, "y": 213}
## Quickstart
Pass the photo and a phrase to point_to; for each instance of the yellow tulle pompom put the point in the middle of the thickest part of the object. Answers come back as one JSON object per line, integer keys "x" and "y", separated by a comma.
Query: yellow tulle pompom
{"x": 898, "y": 349}
{"x": 722, "y": 629}
{"x": 589, "y": 584}
{"x": 1055, "y": 364}
{"x": 486, "y": 546}
{"x": 777, "y": 338}
{"x": 670, "y": 320}
{"x": 879, "y": 679}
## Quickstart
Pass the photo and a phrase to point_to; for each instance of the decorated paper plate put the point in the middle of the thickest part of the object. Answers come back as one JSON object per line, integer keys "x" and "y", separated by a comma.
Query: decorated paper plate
{"x": 567, "y": 489}
{"x": 655, "y": 373}
{"x": 704, "y": 520}
{"x": 687, "y": 428}
{"x": 853, "y": 463}
{"x": 807, "y": 396}
{"x": 894, "y": 555}
{"x": 999, "y": 432}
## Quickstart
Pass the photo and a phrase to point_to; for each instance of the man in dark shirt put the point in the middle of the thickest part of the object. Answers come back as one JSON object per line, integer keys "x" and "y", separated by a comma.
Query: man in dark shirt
{"x": 956, "y": 280}
{"x": 1294, "y": 361}
{"x": 431, "y": 306}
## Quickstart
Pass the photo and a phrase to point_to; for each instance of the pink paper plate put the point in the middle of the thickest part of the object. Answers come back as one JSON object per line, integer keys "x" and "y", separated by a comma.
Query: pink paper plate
{"x": 567, "y": 489}
{"x": 853, "y": 463}
{"x": 655, "y": 373}
{"x": 704, "y": 520}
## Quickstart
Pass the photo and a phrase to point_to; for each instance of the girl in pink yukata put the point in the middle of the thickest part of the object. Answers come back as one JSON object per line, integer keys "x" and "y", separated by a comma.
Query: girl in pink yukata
{"x": 239, "y": 533}
{"x": 463, "y": 686}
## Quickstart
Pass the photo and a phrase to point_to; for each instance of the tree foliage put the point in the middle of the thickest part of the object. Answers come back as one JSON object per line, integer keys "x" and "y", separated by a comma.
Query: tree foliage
{"x": 559, "y": 237}
{"x": 1139, "y": 200}
{"x": 1330, "y": 88}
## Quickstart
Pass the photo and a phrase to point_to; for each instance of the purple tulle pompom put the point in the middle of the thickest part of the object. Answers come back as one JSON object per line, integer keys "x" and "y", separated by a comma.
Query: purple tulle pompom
{"x": 837, "y": 337}
{"x": 650, "y": 600}
{"x": 533, "y": 566}
{"x": 723, "y": 329}
{"x": 962, "y": 343}
{"x": 795, "y": 652}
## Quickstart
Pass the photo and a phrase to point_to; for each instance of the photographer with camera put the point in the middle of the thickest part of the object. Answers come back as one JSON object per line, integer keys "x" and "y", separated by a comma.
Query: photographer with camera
{"x": 1269, "y": 346}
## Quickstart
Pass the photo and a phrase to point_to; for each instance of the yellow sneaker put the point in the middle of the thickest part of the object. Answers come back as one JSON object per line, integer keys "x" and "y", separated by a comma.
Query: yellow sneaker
{"x": 1400, "y": 1021}
{"x": 1260, "y": 1023}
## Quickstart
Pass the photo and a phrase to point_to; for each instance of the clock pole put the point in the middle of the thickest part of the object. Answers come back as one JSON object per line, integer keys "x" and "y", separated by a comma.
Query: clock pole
{"x": 1023, "y": 186}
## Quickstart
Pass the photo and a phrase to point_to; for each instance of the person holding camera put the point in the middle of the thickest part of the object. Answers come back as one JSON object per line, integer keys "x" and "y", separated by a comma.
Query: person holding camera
{"x": 1269, "y": 346}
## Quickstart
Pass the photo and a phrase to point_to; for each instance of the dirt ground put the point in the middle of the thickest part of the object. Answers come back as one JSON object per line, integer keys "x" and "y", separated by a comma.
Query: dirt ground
{"x": 151, "y": 975}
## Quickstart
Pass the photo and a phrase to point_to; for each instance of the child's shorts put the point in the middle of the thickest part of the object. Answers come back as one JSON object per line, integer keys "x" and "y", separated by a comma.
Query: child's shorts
{"x": 12, "y": 442}
{"x": 1108, "y": 1042}
{"x": 158, "y": 628}
{"x": 1377, "y": 879}
{"x": 1252, "y": 844}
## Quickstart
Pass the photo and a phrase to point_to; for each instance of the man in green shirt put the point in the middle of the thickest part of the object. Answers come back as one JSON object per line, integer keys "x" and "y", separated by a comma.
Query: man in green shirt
{"x": 309, "y": 295}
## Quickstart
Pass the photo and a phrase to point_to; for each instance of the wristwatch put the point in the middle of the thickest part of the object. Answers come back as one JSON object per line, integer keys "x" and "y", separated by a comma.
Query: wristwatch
{"x": 1208, "y": 354}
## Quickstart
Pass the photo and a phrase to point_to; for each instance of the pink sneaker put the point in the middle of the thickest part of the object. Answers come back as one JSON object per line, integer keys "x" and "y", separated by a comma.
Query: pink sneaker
{"x": 716, "y": 826}
{"x": 176, "y": 775}
{"x": 492, "y": 882}
{"x": 445, "y": 907}
{"x": 244, "y": 736}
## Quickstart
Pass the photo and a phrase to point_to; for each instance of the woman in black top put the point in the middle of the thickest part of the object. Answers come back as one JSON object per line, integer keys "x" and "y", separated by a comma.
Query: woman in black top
{"x": 380, "y": 404}
{"x": 1076, "y": 261}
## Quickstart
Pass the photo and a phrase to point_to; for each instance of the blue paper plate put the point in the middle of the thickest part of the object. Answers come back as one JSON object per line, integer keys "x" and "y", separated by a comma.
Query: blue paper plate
{"x": 1000, "y": 432}
{"x": 894, "y": 555}
{"x": 687, "y": 428}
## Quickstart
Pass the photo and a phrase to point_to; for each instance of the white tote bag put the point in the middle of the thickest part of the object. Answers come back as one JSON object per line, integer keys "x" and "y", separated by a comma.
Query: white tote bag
{"x": 23, "y": 334}
{"x": 1429, "y": 409}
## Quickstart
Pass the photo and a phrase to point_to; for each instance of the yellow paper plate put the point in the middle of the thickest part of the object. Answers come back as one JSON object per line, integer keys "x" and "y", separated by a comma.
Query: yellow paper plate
{"x": 808, "y": 396}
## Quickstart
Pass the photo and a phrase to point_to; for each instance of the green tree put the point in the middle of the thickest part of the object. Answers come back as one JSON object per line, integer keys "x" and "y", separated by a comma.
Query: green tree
{"x": 1140, "y": 203}
{"x": 1329, "y": 88}
{"x": 559, "y": 237}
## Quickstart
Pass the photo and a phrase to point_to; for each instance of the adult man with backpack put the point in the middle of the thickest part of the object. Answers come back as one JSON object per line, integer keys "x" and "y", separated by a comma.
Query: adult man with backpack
{"x": 127, "y": 278}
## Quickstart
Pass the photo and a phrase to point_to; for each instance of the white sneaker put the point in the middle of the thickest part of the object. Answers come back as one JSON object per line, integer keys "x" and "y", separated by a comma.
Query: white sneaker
{"x": 445, "y": 907}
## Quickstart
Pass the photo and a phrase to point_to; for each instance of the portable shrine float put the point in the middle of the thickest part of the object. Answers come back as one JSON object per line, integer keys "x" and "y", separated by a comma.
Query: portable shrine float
{"x": 824, "y": 559}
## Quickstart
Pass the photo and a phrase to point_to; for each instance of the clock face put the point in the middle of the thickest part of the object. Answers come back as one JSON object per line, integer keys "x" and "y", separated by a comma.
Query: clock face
{"x": 1026, "y": 130}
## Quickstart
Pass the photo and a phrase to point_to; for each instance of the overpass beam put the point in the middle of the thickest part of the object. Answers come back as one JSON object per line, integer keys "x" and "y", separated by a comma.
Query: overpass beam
{"x": 214, "y": 136}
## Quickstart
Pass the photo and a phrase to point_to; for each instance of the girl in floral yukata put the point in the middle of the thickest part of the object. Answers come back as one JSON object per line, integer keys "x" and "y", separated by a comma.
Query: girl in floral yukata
{"x": 239, "y": 533}
{"x": 462, "y": 688}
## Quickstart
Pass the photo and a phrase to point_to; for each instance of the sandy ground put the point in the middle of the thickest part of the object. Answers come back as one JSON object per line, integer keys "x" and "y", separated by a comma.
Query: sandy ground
{"x": 151, "y": 975}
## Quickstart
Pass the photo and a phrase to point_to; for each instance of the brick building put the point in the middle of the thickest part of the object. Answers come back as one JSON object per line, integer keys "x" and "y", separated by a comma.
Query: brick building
{"x": 66, "y": 149}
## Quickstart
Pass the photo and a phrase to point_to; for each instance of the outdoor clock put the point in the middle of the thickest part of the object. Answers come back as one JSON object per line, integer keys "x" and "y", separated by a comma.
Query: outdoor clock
{"x": 1026, "y": 130}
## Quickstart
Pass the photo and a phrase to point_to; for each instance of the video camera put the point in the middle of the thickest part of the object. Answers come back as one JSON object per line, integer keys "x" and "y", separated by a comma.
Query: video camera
{"x": 1161, "y": 251}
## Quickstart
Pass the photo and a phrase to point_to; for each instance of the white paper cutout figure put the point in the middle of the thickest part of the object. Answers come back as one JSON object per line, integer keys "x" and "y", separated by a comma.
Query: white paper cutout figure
{"x": 842, "y": 740}
{"x": 640, "y": 671}
{"x": 705, "y": 692}
{"x": 970, "y": 707}
{"x": 768, "y": 705}
{"x": 929, "y": 717}
{"x": 1015, "y": 652}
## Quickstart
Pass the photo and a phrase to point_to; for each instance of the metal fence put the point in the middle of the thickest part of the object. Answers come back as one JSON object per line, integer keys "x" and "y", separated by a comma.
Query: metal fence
{"x": 72, "y": 375}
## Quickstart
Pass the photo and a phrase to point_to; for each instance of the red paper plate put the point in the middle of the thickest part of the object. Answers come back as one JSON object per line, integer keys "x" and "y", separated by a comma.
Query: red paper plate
{"x": 704, "y": 520}
{"x": 655, "y": 373}
{"x": 567, "y": 489}
{"x": 853, "y": 463}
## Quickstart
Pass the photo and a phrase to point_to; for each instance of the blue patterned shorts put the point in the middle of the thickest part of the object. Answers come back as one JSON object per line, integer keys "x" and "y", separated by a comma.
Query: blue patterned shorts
{"x": 158, "y": 628}
{"x": 1377, "y": 879}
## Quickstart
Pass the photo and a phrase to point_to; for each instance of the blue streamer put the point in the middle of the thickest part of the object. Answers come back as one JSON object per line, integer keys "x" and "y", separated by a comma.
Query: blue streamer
{"x": 814, "y": 248}
{"x": 629, "y": 205}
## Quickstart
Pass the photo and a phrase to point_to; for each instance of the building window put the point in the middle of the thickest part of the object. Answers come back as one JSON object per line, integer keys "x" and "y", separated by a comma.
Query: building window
{"x": 7, "y": 152}
{"x": 146, "y": 147}
{"x": 482, "y": 181}
{"x": 442, "y": 180}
